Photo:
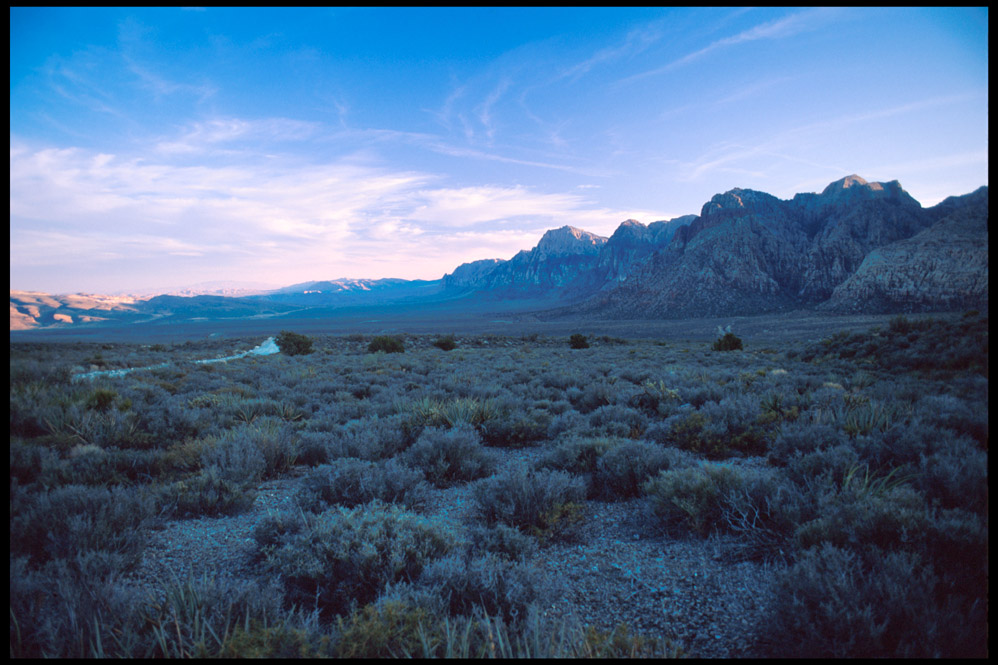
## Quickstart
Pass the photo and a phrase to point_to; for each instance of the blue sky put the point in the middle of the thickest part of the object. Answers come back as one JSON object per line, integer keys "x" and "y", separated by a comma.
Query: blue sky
{"x": 159, "y": 148}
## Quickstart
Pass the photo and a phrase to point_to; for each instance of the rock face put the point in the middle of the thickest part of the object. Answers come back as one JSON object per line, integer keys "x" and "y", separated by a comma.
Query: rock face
{"x": 944, "y": 266}
{"x": 856, "y": 246}
{"x": 567, "y": 263}
{"x": 562, "y": 257}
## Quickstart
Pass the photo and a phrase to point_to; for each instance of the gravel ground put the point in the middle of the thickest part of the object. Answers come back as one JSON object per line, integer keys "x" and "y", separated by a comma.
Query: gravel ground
{"x": 617, "y": 569}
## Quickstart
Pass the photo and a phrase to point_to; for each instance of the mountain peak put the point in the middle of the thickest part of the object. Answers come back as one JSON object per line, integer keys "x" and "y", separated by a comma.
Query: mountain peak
{"x": 569, "y": 240}
{"x": 738, "y": 199}
{"x": 853, "y": 185}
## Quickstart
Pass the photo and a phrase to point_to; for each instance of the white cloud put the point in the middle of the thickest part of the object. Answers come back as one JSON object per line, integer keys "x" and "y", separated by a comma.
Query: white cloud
{"x": 278, "y": 220}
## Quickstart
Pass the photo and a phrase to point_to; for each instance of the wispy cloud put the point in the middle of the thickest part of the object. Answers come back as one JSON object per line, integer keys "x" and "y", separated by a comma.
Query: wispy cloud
{"x": 211, "y": 134}
{"x": 484, "y": 110}
{"x": 636, "y": 41}
{"x": 788, "y": 26}
{"x": 74, "y": 207}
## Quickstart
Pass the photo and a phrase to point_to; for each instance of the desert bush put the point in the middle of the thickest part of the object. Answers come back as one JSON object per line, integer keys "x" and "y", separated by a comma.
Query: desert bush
{"x": 517, "y": 429}
{"x": 386, "y": 344}
{"x": 955, "y": 477}
{"x": 800, "y": 438}
{"x": 101, "y": 399}
{"x": 717, "y": 431}
{"x": 445, "y": 343}
{"x": 579, "y": 455}
{"x": 840, "y": 604}
{"x": 90, "y": 465}
{"x": 73, "y": 609}
{"x": 293, "y": 344}
{"x": 502, "y": 540}
{"x": 825, "y": 468}
{"x": 65, "y": 522}
{"x": 448, "y": 457}
{"x": 869, "y": 510}
{"x": 693, "y": 497}
{"x": 578, "y": 341}
{"x": 497, "y": 585}
{"x": 727, "y": 342}
{"x": 209, "y": 492}
{"x": 371, "y": 438}
{"x": 623, "y": 469}
{"x": 388, "y": 630}
{"x": 655, "y": 398}
{"x": 959, "y": 415}
{"x": 593, "y": 396}
{"x": 543, "y": 503}
{"x": 33, "y": 463}
{"x": 345, "y": 557}
{"x": 619, "y": 420}
{"x": 350, "y": 482}
{"x": 567, "y": 423}
{"x": 234, "y": 458}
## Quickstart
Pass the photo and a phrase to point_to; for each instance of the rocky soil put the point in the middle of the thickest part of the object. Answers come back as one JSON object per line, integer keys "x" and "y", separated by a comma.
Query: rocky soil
{"x": 618, "y": 568}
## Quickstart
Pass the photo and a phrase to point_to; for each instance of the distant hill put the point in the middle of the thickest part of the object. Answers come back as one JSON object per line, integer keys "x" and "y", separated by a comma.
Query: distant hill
{"x": 857, "y": 246}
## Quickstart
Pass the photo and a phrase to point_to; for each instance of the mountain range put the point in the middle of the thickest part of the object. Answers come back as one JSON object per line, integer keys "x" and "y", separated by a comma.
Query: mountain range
{"x": 857, "y": 246}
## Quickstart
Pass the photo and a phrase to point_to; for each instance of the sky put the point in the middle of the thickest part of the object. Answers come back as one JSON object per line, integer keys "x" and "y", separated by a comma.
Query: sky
{"x": 162, "y": 148}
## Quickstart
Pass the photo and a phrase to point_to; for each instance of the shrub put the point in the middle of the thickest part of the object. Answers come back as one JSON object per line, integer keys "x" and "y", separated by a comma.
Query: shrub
{"x": 727, "y": 342}
{"x": 758, "y": 505}
{"x": 497, "y": 585}
{"x": 502, "y": 540}
{"x": 209, "y": 492}
{"x": 350, "y": 482}
{"x": 72, "y": 609}
{"x": 836, "y": 603}
{"x": 692, "y": 497}
{"x": 517, "y": 429}
{"x": 344, "y": 557}
{"x": 101, "y": 399}
{"x": 371, "y": 438}
{"x": 579, "y": 455}
{"x": 386, "y": 344}
{"x": 869, "y": 511}
{"x": 623, "y": 469}
{"x": 448, "y": 457}
{"x": 578, "y": 341}
{"x": 234, "y": 458}
{"x": 387, "y": 630}
{"x": 717, "y": 432}
{"x": 445, "y": 343}
{"x": 69, "y": 521}
{"x": 544, "y": 503}
{"x": 293, "y": 344}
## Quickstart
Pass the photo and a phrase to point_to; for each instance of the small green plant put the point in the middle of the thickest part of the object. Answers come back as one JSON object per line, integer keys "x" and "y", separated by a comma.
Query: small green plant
{"x": 391, "y": 630}
{"x": 578, "y": 341}
{"x": 101, "y": 399}
{"x": 386, "y": 344}
{"x": 293, "y": 344}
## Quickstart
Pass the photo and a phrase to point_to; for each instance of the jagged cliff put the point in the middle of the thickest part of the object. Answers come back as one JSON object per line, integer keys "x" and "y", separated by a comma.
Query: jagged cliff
{"x": 944, "y": 266}
{"x": 869, "y": 244}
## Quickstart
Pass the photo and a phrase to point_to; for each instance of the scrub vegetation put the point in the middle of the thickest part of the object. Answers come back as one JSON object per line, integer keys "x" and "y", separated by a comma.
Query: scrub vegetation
{"x": 855, "y": 466}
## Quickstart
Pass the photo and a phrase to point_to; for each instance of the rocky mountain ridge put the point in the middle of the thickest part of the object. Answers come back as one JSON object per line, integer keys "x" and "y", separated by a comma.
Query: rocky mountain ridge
{"x": 857, "y": 246}
{"x": 749, "y": 252}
